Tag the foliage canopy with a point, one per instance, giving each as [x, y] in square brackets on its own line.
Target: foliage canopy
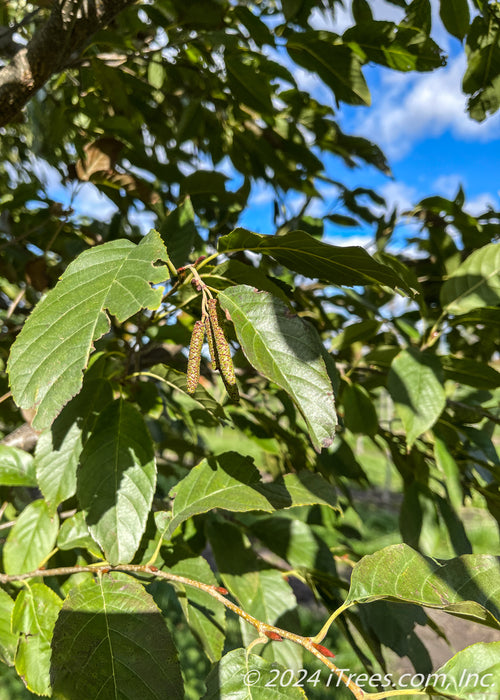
[137, 507]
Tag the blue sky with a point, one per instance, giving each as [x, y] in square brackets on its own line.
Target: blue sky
[418, 119]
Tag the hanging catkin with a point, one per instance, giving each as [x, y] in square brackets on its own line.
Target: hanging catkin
[223, 352]
[211, 346]
[193, 368]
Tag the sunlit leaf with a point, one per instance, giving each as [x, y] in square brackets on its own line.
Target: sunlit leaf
[475, 283]
[16, 467]
[415, 383]
[33, 618]
[116, 480]
[53, 348]
[466, 586]
[289, 352]
[31, 539]
[231, 481]
[242, 676]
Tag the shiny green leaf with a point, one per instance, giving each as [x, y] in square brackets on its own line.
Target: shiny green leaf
[300, 252]
[33, 617]
[466, 586]
[16, 467]
[31, 539]
[289, 352]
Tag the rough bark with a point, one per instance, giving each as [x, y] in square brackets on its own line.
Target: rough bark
[60, 40]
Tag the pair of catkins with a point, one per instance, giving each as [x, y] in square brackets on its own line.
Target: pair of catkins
[220, 352]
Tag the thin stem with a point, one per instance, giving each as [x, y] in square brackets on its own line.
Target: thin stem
[324, 630]
[172, 268]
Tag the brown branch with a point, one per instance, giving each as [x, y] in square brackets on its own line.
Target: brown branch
[70, 26]
[265, 631]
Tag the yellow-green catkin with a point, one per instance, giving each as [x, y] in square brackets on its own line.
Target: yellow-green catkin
[211, 346]
[223, 352]
[193, 368]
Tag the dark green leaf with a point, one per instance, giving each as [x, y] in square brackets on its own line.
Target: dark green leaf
[335, 63]
[110, 640]
[349, 265]
[456, 17]
[59, 447]
[178, 232]
[470, 372]
[360, 415]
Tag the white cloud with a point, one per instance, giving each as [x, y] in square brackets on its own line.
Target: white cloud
[447, 185]
[363, 240]
[410, 108]
[399, 195]
[481, 203]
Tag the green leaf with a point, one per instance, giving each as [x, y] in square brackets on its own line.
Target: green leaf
[74, 533]
[53, 348]
[470, 372]
[205, 616]
[455, 16]
[259, 590]
[364, 330]
[16, 467]
[59, 447]
[415, 383]
[487, 316]
[466, 586]
[475, 283]
[360, 415]
[451, 472]
[111, 641]
[178, 232]
[232, 482]
[336, 64]
[300, 252]
[33, 617]
[156, 71]
[289, 352]
[31, 539]
[236, 272]
[242, 676]
[8, 639]
[178, 382]
[400, 48]
[117, 480]
[473, 672]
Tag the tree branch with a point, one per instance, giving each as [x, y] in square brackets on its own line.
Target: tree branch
[70, 26]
